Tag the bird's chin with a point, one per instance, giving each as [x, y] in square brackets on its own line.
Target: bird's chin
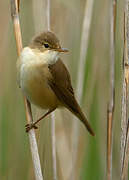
[53, 52]
[51, 56]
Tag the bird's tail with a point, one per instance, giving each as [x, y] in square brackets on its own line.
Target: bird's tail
[84, 120]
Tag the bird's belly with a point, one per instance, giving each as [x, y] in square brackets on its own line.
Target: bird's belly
[34, 84]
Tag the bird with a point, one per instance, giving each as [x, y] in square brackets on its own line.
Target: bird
[44, 78]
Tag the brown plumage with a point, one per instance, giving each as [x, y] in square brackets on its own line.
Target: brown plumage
[45, 80]
[45, 37]
[61, 85]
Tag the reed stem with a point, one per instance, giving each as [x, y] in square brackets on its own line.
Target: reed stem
[81, 71]
[125, 99]
[15, 4]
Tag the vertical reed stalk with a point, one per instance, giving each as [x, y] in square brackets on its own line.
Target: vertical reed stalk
[53, 146]
[32, 138]
[81, 70]
[110, 109]
[48, 15]
[125, 99]
[53, 113]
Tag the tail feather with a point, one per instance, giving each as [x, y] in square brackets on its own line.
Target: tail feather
[83, 119]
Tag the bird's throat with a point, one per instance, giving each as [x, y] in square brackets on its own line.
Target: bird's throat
[34, 56]
[50, 56]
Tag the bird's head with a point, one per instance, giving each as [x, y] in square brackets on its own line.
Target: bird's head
[47, 41]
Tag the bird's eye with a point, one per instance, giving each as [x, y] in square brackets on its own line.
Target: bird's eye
[46, 45]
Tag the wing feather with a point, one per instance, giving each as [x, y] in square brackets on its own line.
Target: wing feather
[60, 83]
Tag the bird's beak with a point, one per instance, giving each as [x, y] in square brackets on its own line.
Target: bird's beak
[62, 50]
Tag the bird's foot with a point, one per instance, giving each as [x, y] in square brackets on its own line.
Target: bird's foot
[30, 126]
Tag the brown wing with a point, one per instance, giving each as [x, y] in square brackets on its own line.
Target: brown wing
[61, 85]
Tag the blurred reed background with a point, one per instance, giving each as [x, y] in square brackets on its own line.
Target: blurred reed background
[66, 22]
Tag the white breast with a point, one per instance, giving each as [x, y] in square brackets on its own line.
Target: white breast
[32, 58]
[35, 56]
[32, 68]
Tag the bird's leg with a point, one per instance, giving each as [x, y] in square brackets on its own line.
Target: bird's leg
[33, 125]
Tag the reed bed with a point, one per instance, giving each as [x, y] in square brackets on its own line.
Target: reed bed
[90, 162]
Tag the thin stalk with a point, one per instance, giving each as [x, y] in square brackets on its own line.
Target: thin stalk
[32, 138]
[48, 15]
[110, 109]
[125, 99]
[81, 71]
[52, 114]
[53, 146]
